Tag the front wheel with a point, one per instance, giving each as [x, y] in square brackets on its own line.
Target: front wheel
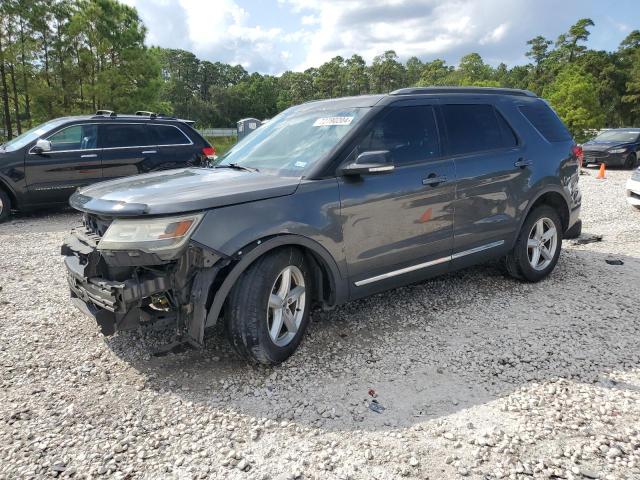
[5, 206]
[538, 246]
[630, 161]
[267, 310]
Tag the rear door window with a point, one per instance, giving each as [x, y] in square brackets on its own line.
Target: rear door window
[168, 135]
[545, 120]
[476, 128]
[408, 133]
[75, 137]
[124, 135]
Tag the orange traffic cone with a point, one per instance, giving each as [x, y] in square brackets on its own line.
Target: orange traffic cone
[601, 174]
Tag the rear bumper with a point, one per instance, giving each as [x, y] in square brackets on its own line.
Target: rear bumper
[632, 190]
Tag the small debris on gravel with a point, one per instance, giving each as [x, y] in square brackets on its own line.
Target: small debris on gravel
[584, 239]
[481, 376]
[614, 261]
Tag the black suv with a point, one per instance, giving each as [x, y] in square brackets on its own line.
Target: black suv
[43, 166]
[329, 201]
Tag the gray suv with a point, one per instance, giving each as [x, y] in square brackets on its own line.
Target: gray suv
[328, 202]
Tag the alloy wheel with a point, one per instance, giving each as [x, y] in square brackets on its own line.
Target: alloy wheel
[286, 306]
[542, 243]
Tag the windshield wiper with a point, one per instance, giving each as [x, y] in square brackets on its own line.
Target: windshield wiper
[235, 166]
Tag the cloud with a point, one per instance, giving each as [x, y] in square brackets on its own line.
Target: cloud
[216, 31]
[495, 35]
[314, 31]
[432, 29]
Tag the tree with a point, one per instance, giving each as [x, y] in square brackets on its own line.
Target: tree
[357, 79]
[538, 49]
[573, 96]
[436, 72]
[568, 44]
[414, 70]
[386, 72]
[474, 71]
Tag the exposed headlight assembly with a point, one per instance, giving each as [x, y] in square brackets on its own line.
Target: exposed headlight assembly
[618, 150]
[164, 236]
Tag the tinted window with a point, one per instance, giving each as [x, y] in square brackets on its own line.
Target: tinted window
[473, 128]
[509, 138]
[409, 133]
[546, 121]
[75, 137]
[124, 135]
[168, 135]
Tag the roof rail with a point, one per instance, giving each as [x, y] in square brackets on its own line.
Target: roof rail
[106, 113]
[474, 90]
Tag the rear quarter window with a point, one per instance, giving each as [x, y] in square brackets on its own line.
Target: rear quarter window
[545, 120]
[476, 128]
[169, 135]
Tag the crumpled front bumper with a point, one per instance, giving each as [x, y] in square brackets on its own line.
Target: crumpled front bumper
[117, 289]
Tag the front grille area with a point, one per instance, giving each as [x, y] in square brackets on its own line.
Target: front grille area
[95, 224]
[595, 156]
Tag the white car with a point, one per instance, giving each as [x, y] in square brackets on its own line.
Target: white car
[633, 189]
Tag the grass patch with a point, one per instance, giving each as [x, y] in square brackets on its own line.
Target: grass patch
[222, 144]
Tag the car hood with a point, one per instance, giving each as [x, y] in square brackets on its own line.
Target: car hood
[602, 146]
[182, 190]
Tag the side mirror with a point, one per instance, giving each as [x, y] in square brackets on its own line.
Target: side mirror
[42, 146]
[369, 163]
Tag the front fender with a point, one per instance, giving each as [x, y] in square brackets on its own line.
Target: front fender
[250, 253]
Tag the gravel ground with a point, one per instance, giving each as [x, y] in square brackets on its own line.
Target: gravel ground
[480, 376]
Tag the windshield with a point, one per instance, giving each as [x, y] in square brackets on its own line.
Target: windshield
[618, 136]
[292, 142]
[31, 135]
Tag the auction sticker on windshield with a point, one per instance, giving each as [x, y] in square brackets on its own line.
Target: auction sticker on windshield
[327, 121]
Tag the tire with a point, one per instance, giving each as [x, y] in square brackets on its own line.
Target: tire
[251, 315]
[5, 205]
[630, 161]
[520, 261]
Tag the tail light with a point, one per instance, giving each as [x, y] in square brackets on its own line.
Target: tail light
[579, 154]
[209, 152]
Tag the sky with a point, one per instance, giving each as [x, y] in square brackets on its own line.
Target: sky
[272, 36]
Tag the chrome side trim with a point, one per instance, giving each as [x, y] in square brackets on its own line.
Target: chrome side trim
[401, 271]
[431, 263]
[477, 249]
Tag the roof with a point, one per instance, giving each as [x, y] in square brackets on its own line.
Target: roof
[464, 90]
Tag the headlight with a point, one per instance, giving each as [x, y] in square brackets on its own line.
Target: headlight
[164, 236]
[618, 150]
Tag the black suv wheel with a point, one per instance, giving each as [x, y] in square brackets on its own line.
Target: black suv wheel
[268, 309]
[538, 246]
[5, 206]
[630, 161]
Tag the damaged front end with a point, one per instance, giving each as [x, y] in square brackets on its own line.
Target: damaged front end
[123, 286]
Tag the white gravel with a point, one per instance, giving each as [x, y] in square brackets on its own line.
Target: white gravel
[480, 376]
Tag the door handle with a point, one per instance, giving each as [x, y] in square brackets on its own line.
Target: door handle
[89, 155]
[522, 162]
[148, 152]
[434, 180]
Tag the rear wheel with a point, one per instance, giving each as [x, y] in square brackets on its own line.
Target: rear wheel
[5, 206]
[630, 162]
[538, 246]
[268, 309]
